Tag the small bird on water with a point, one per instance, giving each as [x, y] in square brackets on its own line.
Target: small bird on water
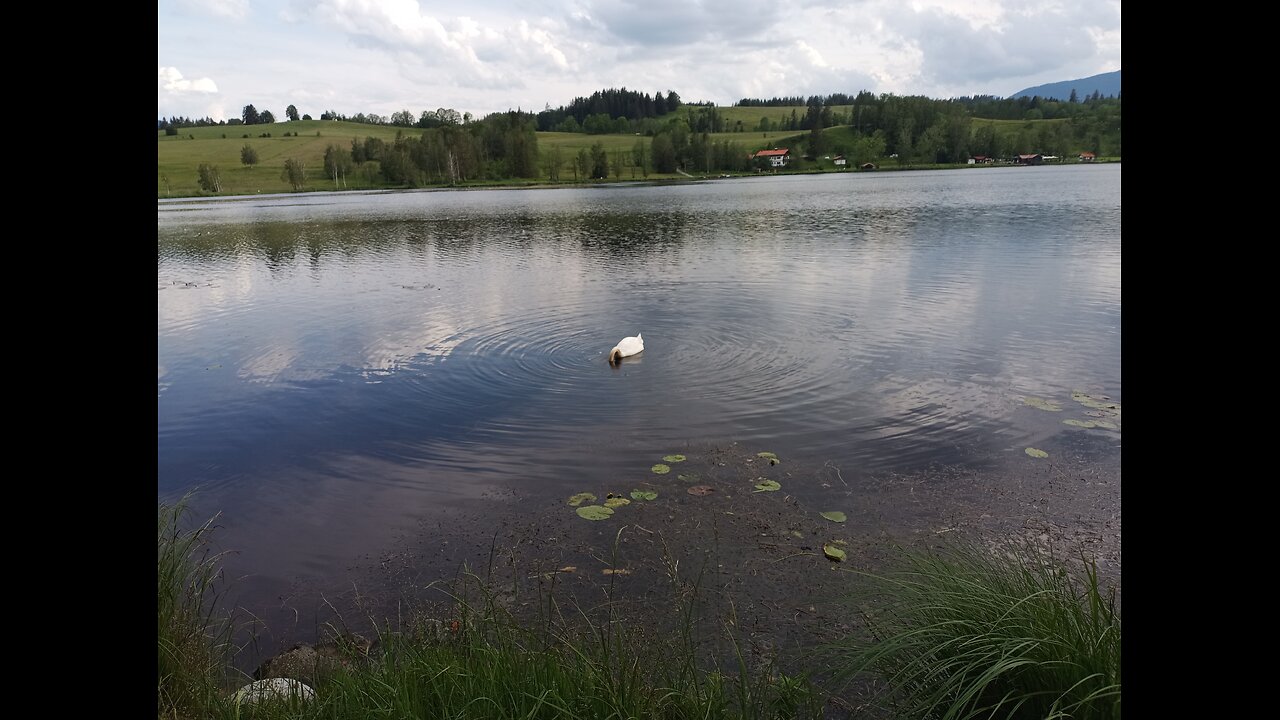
[626, 347]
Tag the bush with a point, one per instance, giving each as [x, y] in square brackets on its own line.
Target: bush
[248, 156]
[966, 633]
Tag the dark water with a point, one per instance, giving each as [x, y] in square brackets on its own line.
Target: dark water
[333, 368]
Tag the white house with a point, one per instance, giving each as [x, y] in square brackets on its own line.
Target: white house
[777, 158]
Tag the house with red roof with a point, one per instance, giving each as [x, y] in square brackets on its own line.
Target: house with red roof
[778, 157]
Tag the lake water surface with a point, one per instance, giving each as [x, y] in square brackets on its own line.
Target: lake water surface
[333, 368]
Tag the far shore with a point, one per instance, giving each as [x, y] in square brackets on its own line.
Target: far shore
[629, 182]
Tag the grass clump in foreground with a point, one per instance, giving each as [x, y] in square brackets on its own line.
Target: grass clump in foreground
[193, 642]
[481, 663]
[965, 633]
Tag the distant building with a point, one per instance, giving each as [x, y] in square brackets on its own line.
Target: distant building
[1087, 157]
[981, 160]
[1035, 159]
[840, 160]
[777, 158]
[868, 166]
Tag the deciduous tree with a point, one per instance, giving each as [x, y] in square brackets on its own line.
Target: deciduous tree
[295, 173]
[209, 179]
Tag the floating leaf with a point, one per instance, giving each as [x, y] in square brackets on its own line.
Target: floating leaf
[568, 568]
[1050, 405]
[833, 552]
[1100, 402]
[1106, 424]
[616, 571]
[691, 477]
[644, 495]
[576, 500]
[833, 516]
[1080, 423]
[672, 458]
[701, 490]
[798, 534]
[594, 512]
[773, 459]
[767, 485]
[614, 502]
[1035, 453]
[661, 469]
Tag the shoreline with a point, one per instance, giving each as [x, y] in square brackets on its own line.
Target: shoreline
[605, 182]
[754, 556]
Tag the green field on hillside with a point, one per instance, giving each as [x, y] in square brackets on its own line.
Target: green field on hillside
[179, 156]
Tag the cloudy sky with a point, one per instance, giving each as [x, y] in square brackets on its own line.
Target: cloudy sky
[483, 56]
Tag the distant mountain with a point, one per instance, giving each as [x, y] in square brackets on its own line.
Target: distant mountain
[1107, 84]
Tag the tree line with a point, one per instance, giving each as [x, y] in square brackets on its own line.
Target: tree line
[502, 145]
[915, 128]
[454, 148]
[606, 106]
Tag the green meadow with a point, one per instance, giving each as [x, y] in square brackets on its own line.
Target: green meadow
[180, 156]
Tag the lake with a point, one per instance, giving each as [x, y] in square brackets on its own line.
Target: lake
[335, 367]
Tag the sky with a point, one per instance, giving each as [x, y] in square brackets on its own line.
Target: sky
[484, 56]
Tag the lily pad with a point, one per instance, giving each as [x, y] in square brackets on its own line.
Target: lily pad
[644, 495]
[1100, 402]
[833, 552]
[767, 485]
[576, 500]
[673, 458]
[690, 477]
[614, 502]
[773, 459]
[1106, 424]
[1036, 453]
[798, 534]
[1080, 423]
[661, 469]
[833, 516]
[701, 490]
[1050, 405]
[594, 512]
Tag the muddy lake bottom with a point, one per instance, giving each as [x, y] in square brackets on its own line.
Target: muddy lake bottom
[747, 563]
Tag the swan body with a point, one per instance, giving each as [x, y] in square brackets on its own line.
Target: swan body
[626, 347]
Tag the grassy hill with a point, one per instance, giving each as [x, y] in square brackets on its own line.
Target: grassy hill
[179, 156]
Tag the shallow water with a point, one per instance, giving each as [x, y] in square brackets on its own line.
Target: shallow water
[332, 368]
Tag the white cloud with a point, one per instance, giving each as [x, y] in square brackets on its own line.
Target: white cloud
[485, 56]
[197, 98]
[171, 81]
[233, 9]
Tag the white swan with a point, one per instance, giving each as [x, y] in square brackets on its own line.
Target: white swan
[627, 346]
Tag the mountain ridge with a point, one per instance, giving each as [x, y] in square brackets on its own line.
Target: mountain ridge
[1106, 84]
